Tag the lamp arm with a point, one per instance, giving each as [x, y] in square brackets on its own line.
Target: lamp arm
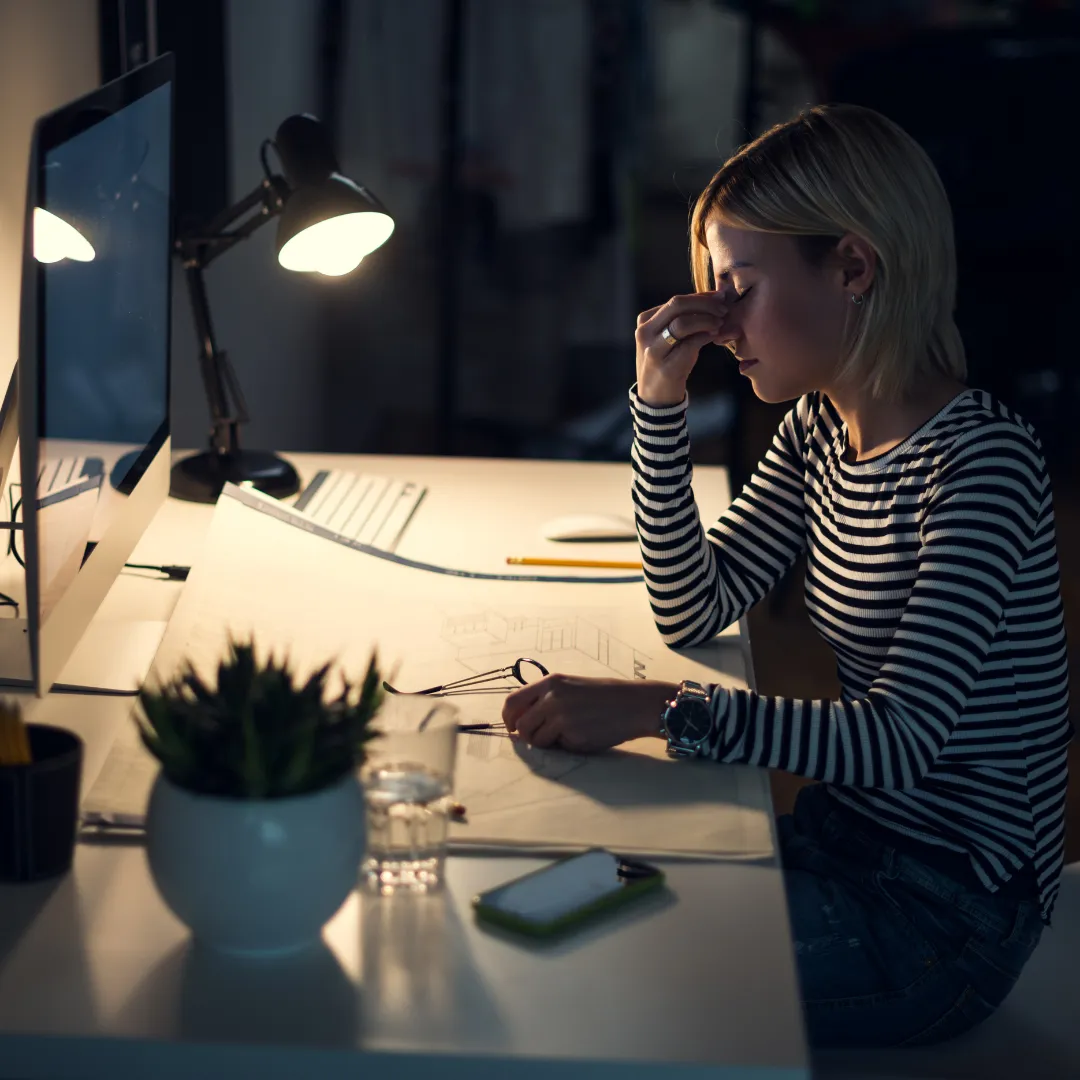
[225, 399]
[216, 237]
[215, 369]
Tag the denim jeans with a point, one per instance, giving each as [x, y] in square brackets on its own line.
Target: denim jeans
[890, 951]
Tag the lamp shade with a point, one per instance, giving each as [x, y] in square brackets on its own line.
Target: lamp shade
[329, 226]
[328, 223]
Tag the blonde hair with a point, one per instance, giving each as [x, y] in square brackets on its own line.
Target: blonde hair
[836, 169]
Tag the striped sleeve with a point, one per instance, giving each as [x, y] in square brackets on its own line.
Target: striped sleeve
[697, 583]
[980, 522]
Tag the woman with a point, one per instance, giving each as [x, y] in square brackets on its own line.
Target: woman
[920, 874]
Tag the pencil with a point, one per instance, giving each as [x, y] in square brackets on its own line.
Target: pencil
[590, 564]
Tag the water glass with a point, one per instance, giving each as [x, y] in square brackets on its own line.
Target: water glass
[408, 783]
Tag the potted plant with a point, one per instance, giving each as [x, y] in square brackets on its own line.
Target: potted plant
[255, 825]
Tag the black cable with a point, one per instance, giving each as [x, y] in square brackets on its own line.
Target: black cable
[173, 573]
[14, 504]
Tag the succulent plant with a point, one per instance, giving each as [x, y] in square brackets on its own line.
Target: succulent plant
[258, 734]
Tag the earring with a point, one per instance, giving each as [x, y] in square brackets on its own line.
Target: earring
[857, 299]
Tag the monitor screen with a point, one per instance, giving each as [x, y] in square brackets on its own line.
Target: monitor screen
[102, 234]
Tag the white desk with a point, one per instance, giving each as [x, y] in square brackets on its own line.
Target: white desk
[97, 978]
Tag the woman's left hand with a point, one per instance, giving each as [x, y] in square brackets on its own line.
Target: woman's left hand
[586, 715]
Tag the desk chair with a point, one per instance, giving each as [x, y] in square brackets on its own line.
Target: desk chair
[1035, 1034]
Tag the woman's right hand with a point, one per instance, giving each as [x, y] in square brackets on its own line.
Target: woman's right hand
[662, 367]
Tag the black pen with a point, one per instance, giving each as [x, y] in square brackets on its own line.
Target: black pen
[477, 727]
[97, 826]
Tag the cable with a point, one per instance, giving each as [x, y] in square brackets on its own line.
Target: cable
[172, 573]
[12, 546]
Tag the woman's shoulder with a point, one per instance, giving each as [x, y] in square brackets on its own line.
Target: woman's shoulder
[977, 420]
[981, 433]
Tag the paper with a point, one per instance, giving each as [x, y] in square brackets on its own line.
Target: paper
[371, 509]
[431, 629]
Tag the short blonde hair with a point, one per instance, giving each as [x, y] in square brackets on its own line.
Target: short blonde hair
[836, 169]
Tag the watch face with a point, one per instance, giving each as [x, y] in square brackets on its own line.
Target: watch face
[689, 721]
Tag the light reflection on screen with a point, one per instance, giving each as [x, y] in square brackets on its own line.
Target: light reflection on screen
[103, 372]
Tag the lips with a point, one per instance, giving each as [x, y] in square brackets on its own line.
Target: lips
[746, 365]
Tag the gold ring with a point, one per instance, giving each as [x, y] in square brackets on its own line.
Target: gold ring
[668, 336]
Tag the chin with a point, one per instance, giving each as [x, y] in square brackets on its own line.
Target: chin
[771, 398]
[773, 394]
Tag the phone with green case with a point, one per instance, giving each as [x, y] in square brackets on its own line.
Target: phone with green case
[558, 897]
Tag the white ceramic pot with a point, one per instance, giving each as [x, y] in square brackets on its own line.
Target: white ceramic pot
[256, 877]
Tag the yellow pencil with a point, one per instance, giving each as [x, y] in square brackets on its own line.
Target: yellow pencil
[14, 744]
[590, 564]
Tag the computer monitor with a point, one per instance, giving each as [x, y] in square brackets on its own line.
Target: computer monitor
[92, 379]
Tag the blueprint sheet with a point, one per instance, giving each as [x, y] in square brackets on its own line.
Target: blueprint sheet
[316, 600]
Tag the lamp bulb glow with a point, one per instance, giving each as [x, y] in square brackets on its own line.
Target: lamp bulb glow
[338, 244]
[339, 265]
[55, 239]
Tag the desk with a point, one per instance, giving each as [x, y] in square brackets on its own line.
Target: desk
[97, 978]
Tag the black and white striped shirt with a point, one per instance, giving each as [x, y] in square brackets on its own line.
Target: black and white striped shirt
[932, 571]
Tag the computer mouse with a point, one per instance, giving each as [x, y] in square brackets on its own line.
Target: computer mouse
[589, 527]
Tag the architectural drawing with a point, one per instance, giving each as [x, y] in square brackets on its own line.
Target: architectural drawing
[488, 638]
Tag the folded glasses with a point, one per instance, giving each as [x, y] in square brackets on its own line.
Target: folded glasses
[525, 670]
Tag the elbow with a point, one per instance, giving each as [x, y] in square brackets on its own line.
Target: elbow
[911, 752]
[688, 638]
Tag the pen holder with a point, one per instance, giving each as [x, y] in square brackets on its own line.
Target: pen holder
[39, 806]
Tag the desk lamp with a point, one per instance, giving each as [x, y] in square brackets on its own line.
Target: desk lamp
[327, 225]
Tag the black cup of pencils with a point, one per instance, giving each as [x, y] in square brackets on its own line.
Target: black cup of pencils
[40, 776]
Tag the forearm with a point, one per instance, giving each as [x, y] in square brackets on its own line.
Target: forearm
[700, 582]
[677, 559]
[872, 742]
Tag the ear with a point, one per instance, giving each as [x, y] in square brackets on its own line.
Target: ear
[856, 263]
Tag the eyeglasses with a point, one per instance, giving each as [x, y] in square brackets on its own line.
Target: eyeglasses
[525, 670]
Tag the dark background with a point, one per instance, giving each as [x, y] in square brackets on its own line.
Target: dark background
[541, 158]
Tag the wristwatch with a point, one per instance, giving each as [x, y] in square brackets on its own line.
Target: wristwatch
[687, 720]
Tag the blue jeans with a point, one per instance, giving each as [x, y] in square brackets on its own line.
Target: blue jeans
[890, 951]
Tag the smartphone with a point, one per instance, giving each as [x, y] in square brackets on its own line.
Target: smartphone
[555, 898]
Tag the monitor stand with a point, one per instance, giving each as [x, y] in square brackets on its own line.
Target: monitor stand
[112, 657]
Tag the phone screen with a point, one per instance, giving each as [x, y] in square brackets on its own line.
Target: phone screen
[566, 886]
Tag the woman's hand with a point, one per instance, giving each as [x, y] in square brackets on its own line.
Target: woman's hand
[662, 367]
[586, 715]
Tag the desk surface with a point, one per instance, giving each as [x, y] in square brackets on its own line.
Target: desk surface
[98, 979]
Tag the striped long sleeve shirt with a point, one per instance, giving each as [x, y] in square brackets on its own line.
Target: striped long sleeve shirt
[932, 571]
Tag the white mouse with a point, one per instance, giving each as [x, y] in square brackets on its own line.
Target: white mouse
[589, 527]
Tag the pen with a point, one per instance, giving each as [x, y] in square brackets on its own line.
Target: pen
[107, 820]
[591, 564]
[477, 727]
[96, 827]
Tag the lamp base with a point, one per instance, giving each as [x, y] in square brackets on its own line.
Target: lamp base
[201, 477]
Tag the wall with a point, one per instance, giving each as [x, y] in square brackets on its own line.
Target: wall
[266, 318]
[48, 55]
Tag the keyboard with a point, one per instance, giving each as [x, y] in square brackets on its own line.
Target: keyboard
[372, 510]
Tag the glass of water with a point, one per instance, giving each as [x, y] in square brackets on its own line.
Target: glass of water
[408, 783]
